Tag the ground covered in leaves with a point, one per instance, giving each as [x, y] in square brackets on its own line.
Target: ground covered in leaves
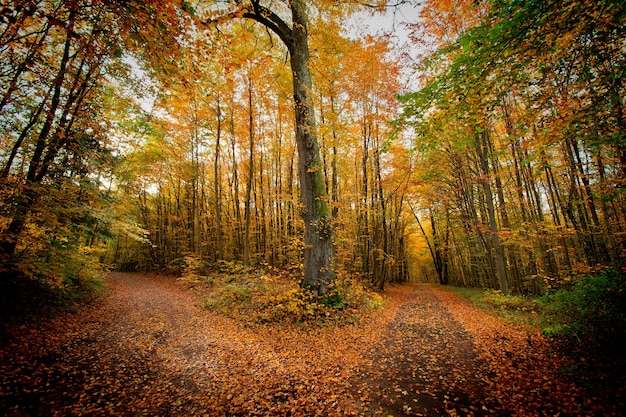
[152, 347]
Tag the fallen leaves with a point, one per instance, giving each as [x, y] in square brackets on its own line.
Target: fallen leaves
[521, 372]
[151, 348]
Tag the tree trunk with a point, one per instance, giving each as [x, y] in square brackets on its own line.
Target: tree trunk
[318, 250]
[216, 182]
[235, 188]
[481, 147]
[246, 239]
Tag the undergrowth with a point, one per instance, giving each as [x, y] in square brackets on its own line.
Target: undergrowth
[586, 321]
[50, 284]
[521, 310]
[271, 295]
[592, 309]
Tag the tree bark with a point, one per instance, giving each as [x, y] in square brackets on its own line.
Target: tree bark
[481, 147]
[318, 248]
[216, 182]
[247, 214]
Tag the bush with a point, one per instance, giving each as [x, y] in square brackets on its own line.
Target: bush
[230, 295]
[594, 308]
[333, 300]
[56, 280]
[518, 309]
[287, 304]
[271, 295]
[193, 271]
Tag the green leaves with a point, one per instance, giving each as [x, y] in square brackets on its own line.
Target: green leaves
[543, 80]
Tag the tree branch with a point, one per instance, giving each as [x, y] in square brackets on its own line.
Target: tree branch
[262, 15]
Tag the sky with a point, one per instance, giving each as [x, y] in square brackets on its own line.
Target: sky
[391, 22]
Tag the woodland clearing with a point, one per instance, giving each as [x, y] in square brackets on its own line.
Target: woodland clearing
[150, 348]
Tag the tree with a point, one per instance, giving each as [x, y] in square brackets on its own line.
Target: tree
[318, 248]
[54, 59]
[528, 95]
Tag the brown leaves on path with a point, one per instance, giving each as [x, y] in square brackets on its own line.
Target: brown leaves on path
[425, 366]
[443, 356]
[149, 348]
[522, 373]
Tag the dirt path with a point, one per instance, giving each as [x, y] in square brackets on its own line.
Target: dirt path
[426, 365]
[150, 349]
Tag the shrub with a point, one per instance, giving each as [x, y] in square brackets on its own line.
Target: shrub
[193, 271]
[518, 309]
[291, 304]
[271, 295]
[594, 308]
[55, 280]
[231, 295]
[333, 300]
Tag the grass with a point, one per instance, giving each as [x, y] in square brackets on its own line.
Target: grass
[587, 317]
[517, 309]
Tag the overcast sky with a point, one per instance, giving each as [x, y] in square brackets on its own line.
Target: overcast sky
[390, 22]
[393, 22]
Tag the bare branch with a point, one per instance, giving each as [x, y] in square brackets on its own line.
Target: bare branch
[260, 14]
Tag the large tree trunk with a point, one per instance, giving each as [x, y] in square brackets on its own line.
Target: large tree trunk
[318, 249]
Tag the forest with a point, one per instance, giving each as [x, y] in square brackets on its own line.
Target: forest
[331, 150]
[483, 148]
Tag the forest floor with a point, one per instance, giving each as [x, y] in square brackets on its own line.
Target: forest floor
[150, 348]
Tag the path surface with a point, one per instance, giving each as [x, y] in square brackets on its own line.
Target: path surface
[427, 363]
[149, 348]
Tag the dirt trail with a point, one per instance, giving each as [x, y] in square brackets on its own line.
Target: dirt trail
[427, 363]
[149, 348]
[108, 359]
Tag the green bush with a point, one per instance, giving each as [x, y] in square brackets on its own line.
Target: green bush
[333, 300]
[594, 308]
[236, 294]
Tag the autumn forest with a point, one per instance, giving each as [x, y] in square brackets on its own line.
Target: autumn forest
[475, 144]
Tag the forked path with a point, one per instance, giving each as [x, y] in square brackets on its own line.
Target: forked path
[149, 348]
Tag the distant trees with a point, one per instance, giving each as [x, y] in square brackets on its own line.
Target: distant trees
[133, 123]
[520, 140]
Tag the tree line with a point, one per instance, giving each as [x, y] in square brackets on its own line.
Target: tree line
[520, 146]
[216, 175]
[139, 134]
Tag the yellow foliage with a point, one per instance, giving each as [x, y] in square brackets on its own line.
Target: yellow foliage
[276, 296]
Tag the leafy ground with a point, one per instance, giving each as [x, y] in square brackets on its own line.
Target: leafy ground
[150, 347]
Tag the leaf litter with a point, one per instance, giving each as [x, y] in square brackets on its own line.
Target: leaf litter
[151, 348]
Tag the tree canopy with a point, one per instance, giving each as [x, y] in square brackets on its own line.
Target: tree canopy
[145, 134]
